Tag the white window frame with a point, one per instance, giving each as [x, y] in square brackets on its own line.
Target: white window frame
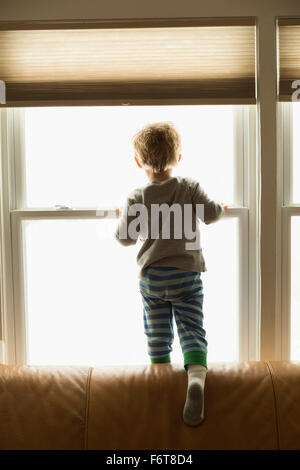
[12, 262]
[288, 210]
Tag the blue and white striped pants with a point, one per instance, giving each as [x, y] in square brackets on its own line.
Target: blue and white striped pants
[166, 291]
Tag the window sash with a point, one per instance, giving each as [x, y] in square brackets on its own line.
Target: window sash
[288, 210]
[17, 216]
[244, 125]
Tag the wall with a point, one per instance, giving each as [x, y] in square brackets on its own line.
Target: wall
[91, 9]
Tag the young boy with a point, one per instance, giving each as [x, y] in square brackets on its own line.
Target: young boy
[170, 265]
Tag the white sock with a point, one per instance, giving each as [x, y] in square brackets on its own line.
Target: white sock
[193, 411]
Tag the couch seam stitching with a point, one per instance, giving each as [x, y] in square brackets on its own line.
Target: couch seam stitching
[87, 403]
[272, 376]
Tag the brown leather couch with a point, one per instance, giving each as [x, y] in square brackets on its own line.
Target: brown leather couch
[248, 405]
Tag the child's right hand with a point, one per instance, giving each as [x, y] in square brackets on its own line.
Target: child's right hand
[119, 211]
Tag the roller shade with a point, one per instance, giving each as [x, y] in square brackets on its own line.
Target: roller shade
[181, 61]
[289, 57]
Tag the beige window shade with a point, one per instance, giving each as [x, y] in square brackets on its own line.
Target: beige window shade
[289, 57]
[53, 65]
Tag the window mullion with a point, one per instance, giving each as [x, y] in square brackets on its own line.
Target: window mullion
[238, 144]
[287, 209]
[7, 199]
[287, 148]
[18, 158]
[285, 324]
[251, 199]
[19, 288]
[243, 286]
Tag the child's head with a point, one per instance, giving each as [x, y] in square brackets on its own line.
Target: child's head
[157, 146]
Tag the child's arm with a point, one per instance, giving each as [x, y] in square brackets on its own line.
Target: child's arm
[122, 228]
[213, 211]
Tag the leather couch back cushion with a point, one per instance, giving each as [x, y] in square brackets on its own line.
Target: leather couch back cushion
[286, 379]
[248, 405]
[42, 407]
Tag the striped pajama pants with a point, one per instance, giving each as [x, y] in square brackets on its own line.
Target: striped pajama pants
[168, 291]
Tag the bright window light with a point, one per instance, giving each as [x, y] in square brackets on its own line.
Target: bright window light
[83, 302]
[81, 288]
[296, 153]
[295, 292]
[83, 157]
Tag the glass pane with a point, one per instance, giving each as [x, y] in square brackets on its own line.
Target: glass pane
[82, 300]
[296, 152]
[220, 243]
[83, 157]
[295, 291]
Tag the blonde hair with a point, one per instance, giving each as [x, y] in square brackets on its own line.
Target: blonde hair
[157, 146]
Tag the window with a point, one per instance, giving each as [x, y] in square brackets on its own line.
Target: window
[75, 298]
[290, 153]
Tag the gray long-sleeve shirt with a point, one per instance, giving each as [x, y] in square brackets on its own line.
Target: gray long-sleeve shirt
[156, 249]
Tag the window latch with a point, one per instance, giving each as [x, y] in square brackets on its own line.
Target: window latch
[60, 207]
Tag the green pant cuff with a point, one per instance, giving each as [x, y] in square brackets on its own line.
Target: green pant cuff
[160, 360]
[194, 357]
